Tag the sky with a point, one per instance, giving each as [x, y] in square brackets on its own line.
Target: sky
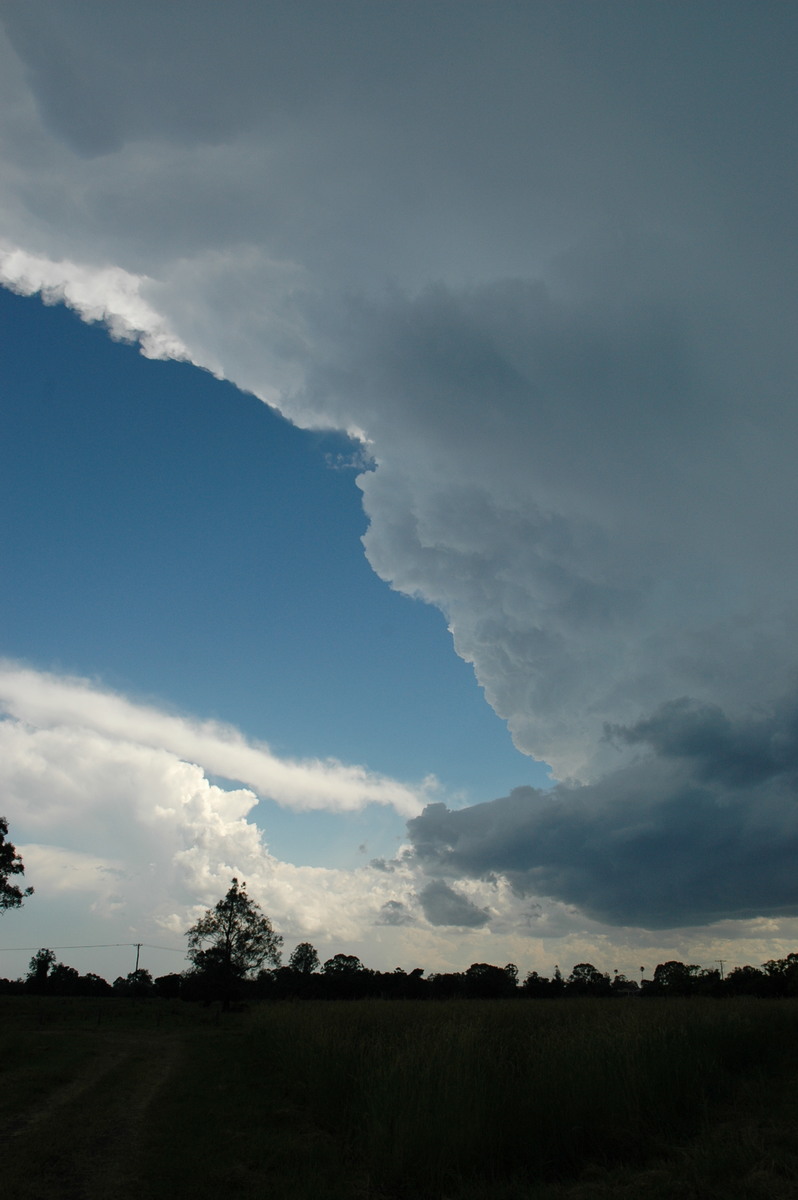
[398, 440]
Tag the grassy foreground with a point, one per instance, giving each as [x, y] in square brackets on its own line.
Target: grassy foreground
[458, 1100]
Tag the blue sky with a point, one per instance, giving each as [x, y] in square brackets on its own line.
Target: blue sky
[175, 540]
[533, 267]
[184, 543]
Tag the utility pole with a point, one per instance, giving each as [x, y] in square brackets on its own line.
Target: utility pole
[720, 962]
[138, 946]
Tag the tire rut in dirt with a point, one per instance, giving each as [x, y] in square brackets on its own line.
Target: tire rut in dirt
[83, 1142]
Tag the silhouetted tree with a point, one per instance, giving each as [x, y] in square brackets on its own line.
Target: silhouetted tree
[398, 984]
[345, 978]
[748, 981]
[342, 964]
[486, 981]
[536, 986]
[783, 975]
[94, 985]
[11, 896]
[141, 983]
[231, 942]
[304, 959]
[136, 983]
[39, 969]
[447, 984]
[587, 980]
[707, 982]
[169, 986]
[410, 986]
[64, 980]
[674, 978]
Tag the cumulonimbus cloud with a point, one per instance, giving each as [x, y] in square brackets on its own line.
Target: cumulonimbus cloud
[124, 838]
[119, 836]
[572, 384]
[574, 364]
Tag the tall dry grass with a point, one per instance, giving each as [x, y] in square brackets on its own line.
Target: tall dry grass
[368, 1099]
[427, 1094]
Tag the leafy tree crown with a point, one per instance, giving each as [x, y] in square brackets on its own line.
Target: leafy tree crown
[234, 938]
[304, 959]
[11, 896]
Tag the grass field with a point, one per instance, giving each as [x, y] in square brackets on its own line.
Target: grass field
[459, 1100]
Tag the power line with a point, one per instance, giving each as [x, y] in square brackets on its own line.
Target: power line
[93, 946]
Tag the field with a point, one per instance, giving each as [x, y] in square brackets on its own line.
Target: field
[584, 1100]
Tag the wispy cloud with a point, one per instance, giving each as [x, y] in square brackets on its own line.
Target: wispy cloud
[50, 702]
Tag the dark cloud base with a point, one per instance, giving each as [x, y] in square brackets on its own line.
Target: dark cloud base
[702, 828]
[442, 905]
[394, 912]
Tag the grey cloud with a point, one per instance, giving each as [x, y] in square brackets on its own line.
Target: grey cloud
[704, 829]
[575, 361]
[558, 475]
[737, 753]
[394, 912]
[382, 864]
[342, 111]
[442, 905]
[244, 65]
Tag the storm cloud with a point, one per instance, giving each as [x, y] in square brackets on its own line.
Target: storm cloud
[703, 829]
[443, 905]
[394, 912]
[539, 260]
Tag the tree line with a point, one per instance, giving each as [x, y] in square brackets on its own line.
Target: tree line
[344, 977]
[235, 954]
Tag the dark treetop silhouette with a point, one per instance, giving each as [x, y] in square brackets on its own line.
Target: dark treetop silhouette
[232, 941]
[305, 959]
[11, 896]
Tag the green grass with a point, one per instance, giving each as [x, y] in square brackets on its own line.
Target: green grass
[457, 1100]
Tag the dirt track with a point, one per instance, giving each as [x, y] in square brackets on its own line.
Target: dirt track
[80, 1140]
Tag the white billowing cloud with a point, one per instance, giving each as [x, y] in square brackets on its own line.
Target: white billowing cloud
[108, 812]
[542, 257]
[49, 702]
[124, 841]
[99, 294]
